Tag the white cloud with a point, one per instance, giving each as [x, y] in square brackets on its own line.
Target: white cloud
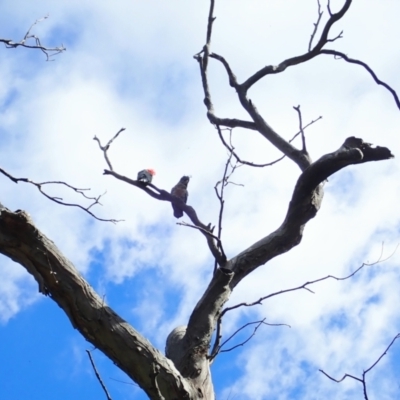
[130, 65]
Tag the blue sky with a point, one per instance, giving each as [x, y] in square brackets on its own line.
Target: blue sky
[130, 64]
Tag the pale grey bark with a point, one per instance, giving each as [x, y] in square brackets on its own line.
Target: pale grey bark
[57, 278]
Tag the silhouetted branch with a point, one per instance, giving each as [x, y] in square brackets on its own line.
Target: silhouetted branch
[316, 24]
[338, 54]
[304, 128]
[259, 323]
[163, 195]
[107, 146]
[217, 348]
[299, 157]
[275, 69]
[362, 379]
[220, 195]
[301, 130]
[48, 51]
[231, 149]
[207, 231]
[98, 376]
[59, 200]
[238, 159]
[306, 284]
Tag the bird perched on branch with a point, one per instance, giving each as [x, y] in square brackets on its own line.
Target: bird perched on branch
[146, 175]
[180, 191]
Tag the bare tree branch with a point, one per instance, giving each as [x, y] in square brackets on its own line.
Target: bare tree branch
[21, 241]
[316, 24]
[231, 149]
[220, 195]
[107, 146]
[193, 343]
[299, 157]
[218, 336]
[59, 200]
[98, 376]
[304, 128]
[217, 348]
[275, 69]
[205, 231]
[303, 286]
[259, 323]
[328, 6]
[303, 138]
[163, 195]
[48, 51]
[305, 203]
[338, 54]
[362, 379]
[238, 159]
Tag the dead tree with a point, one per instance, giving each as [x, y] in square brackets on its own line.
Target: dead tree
[184, 371]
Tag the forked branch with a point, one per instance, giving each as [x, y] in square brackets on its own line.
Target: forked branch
[363, 375]
[217, 348]
[162, 195]
[107, 146]
[305, 203]
[59, 200]
[28, 38]
[219, 191]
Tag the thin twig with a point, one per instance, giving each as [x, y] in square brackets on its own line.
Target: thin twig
[339, 36]
[362, 379]
[339, 55]
[259, 323]
[304, 127]
[107, 146]
[218, 337]
[220, 193]
[205, 231]
[48, 51]
[217, 348]
[211, 20]
[328, 6]
[98, 376]
[126, 383]
[315, 51]
[59, 200]
[231, 149]
[316, 24]
[163, 195]
[303, 138]
[303, 286]
[238, 159]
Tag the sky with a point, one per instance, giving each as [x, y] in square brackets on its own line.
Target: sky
[130, 64]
